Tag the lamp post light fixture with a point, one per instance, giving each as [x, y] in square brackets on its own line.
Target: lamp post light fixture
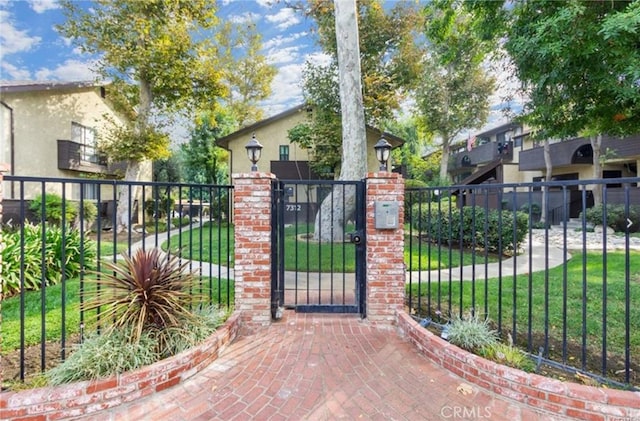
[254, 149]
[383, 149]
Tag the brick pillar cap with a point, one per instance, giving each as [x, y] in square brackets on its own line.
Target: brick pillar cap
[253, 175]
[383, 174]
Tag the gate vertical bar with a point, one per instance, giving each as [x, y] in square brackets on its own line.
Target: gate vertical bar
[361, 249]
[277, 248]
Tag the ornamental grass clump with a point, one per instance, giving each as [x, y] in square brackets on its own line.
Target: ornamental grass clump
[471, 333]
[148, 292]
[144, 309]
[508, 355]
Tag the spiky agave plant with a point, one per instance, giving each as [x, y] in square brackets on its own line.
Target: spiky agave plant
[148, 292]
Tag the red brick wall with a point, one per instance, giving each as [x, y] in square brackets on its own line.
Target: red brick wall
[252, 263]
[540, 393]
[385, 251]
[83, 398]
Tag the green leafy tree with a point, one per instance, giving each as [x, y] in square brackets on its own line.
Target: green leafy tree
[453, 93]
[409, 156]
[245, 71]
[158, 59]
[203, 161]
[579, 65]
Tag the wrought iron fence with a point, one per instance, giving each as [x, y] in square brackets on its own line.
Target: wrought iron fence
[58, 233]
[561, 287]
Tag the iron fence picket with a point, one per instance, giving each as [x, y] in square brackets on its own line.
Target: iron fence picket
[103, 231]
[563, 320]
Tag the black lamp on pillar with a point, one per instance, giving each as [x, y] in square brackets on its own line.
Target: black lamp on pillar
[383, 149]
[254, 149]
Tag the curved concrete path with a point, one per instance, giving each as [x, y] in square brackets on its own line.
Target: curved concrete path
[533, 257]
[322, 367]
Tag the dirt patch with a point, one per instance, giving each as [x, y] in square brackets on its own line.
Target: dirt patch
[33, 364]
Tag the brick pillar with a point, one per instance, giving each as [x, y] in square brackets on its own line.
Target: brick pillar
[252, 265]
[385, 251]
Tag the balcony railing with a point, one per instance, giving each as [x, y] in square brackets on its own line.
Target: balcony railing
[482, 154]
[75, 156]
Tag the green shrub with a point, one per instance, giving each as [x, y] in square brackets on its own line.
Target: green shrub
[471, 333]
[471, 226]
[616, 217]
[76, 254]
[159, 207]
[53, 208]
[180, 222]
[533, 207]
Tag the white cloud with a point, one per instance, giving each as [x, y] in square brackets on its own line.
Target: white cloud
[70, 70]
[280, 40]
[286, 88]
[246, 17]
[319, 58]
[12, 39]
[41, 6]
[283, 55]
[266, 3]
[285, 18]
[13, 72]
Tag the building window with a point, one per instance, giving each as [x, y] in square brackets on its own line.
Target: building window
[89, 191]
[86, 138]
[284, 152]
[612, 174]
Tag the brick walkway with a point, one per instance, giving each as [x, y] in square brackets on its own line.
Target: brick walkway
[322, 367]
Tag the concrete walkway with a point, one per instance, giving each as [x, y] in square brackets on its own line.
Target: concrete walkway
[322, 367]
[533, 257]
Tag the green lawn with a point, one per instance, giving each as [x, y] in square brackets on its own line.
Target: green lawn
[549, 297]
[212, 242]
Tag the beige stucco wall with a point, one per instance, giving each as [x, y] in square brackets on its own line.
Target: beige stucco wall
[274, 134]
[40, 119]
[271, 136]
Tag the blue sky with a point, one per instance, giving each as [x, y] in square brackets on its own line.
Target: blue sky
[31, 49]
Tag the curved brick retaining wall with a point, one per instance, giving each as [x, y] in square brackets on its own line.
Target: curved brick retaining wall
[82, 398]
[540, 393]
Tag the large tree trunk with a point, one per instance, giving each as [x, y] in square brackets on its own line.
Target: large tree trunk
[126, 193]
[338, 206]
[124, 211]
[596, 145]
[444, 161]
[547, 177]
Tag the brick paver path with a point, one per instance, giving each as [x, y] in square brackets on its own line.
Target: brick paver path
[322, 367]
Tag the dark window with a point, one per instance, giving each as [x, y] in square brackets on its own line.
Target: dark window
[517, 142]
[284, 152]
[612, 174]
[537, 180]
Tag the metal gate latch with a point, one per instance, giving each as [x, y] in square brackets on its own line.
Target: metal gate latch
[356, 237]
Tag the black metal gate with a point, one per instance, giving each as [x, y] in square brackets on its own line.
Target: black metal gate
[318, 238]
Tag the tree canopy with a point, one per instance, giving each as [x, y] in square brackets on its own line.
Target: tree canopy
[579, 62]
[389, 63]
[453, 92]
